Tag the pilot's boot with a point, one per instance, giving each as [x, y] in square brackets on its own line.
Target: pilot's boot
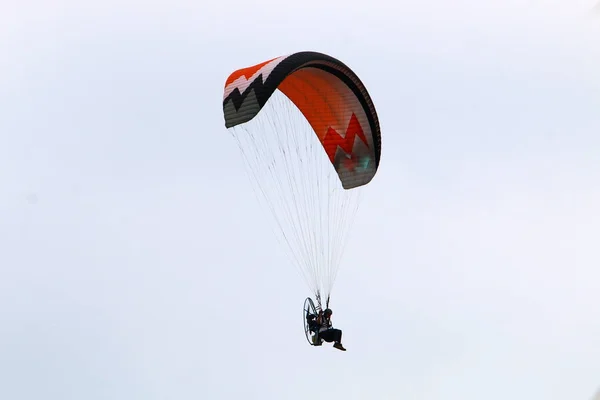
[339, 346]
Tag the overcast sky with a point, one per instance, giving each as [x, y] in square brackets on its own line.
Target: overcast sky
[134, 260]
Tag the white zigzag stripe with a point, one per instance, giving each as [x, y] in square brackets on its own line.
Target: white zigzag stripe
[242, 83]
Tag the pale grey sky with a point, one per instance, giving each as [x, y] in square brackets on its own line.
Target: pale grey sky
[134, 261]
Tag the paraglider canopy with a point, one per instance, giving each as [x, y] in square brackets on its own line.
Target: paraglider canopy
[330, 96]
